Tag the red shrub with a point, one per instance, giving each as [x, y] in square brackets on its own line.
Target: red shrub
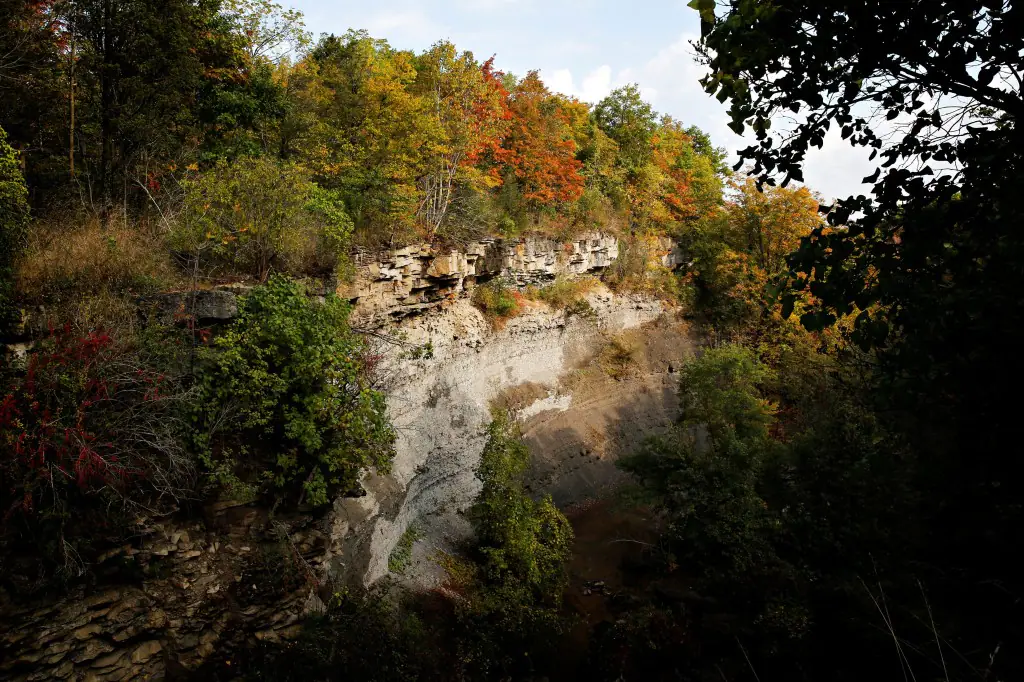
[85, 424]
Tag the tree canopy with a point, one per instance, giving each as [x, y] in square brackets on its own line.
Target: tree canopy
[923, 273]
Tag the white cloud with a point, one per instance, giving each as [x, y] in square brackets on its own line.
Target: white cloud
[836, 170]
[486, 5]
[595, 86]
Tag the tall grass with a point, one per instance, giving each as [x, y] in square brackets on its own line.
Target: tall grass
[86, 257]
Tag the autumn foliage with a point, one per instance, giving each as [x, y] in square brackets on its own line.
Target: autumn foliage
[86, 430]
[539, 150]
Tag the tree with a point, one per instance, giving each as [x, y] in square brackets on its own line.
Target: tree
[34, 91]
[256, 215]
[626, 118]
[364, 129]
[267, 31]
[511, 620]
[910, 64]
[770, 223]
[525, 544]
[539, 151]
[242, 108]
[139, 67]
[13, 223]
[930, 263]
[703, 146]
[285, 398]
[469, 110]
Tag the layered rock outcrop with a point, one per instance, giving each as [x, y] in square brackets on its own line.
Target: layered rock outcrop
[415, 278]
[232, 577]
[440, 408]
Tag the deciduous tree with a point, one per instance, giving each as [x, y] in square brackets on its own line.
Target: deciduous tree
[468, 108]
[13, 221]
[539, 150]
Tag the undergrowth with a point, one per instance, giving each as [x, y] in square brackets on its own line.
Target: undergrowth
[498, 301]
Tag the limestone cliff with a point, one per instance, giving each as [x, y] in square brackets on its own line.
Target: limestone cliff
[421, 277]
[233, 574]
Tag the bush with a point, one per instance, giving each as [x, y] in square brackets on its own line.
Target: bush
[510, 622]
[91, 433]
[723, 285]
[781, 513]
[257, 215]
[286, 398]
[618, 357]
[524, 543]
[13, 221]
[497, 302]
[565, 293]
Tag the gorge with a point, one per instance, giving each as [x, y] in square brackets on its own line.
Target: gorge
[443, 365]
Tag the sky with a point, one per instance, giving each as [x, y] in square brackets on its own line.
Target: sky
[583, 48]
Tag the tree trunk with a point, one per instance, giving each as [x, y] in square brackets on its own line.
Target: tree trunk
[107, 109]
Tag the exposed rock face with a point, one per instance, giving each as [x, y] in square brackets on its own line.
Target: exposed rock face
[218, 305]
[203, 586]
[440, 408]
[235, 576]
[416, 278]
[575, 446]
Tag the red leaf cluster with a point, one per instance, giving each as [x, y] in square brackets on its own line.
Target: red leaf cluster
[53, 427]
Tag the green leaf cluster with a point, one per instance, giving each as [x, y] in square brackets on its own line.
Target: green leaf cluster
[257, 215]
[286, 398]
[524, 543]
[512, 618]
[13, 223]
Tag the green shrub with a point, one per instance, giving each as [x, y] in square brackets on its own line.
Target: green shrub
[511, 621]
[286, 398]
[497, 301]
[401, 555]
[13, 221]
[524, 543]
[257, 215]
[567, 293]
[779, 517]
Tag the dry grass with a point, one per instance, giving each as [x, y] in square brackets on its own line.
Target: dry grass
[616, 358]
[63, 262]
[619, 357]
[516, 398]
[89, 276]
[117, 312]
[566, 293]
